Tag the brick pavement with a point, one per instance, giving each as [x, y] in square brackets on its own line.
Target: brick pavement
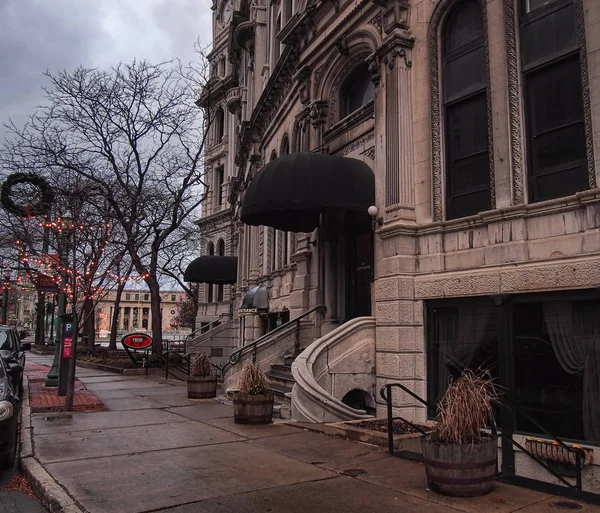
[44, 399]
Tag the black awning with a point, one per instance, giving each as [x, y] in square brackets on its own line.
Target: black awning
[257, 298]
[290, 192]
[212, 269]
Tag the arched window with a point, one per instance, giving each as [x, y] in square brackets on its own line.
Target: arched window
[219, 125]
[465, 111]
[209, 286]
[285, 145]
[220, 252]
[273, 155]
[554, 113]
[357, 90]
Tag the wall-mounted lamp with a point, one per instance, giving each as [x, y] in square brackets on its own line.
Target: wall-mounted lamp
[373, 211]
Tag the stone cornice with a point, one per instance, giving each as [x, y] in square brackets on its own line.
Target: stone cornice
[214, 222]
[358, 117]
[216, 89]
[522, 211]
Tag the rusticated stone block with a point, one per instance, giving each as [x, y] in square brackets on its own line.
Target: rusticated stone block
[386, 288]
[387, 312]
[387, 364]
[387, 339]
[472, 284]
[576, 274]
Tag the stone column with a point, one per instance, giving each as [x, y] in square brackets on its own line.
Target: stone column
[331, 286]
[399, 200]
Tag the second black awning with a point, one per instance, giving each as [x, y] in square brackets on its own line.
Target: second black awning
[212, 269]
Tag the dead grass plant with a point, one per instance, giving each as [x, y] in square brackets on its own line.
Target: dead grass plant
[201, 367]
[466, 409]
[253, 380]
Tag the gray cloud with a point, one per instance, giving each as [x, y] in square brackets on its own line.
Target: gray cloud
[40, 35]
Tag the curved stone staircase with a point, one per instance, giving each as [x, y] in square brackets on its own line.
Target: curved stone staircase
[333, 365]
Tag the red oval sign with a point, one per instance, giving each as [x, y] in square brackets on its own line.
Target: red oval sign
[137, 341]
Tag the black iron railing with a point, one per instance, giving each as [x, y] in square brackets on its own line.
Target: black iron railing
[207, 327]
[386, 394]
[176, 369]
[253, 346]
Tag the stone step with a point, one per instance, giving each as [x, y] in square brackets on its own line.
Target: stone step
[282, 411]
[280, 391]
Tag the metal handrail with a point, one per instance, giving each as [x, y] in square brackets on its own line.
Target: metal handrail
[206, 328]
[386, 394]
[253, 346]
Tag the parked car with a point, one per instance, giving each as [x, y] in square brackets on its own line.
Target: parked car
[12, 352]
[9, 413]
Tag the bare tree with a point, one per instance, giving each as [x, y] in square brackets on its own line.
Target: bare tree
[137, 135]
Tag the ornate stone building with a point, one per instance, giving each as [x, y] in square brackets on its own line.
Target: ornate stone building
[472, 130]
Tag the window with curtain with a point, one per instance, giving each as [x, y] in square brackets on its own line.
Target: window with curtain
[554, 115]
[460, 337]
[557, 367]
[465, 111]
[210, 286]
[356, 90]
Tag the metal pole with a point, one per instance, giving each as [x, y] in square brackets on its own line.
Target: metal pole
[53, 377]
[52, 318]
[5, 301]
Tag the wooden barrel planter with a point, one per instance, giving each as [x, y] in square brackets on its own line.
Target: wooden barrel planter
[201, 387]
[252, 409]
[460, 470]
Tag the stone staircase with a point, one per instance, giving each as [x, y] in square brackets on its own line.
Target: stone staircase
[281, 382]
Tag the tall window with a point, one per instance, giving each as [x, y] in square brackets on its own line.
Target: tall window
[553, 99]
[356, 90]
[219, 125]
[220, 252]
[209, 286]
[465, 111]
[219, 179]
[285, 145]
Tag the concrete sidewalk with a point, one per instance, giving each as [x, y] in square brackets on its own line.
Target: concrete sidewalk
[156, 450]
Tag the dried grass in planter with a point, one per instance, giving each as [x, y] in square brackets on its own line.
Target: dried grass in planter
[253, 380]
[201, 366]
[466, 409]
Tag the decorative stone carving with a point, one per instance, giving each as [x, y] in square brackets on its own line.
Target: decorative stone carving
[376, 21]
[374, 68]
[369, 152]
[514, 102]
[342, 45]
[585, 83]
[395, 16]
[317, 113]
[490, 113]
[357, 143]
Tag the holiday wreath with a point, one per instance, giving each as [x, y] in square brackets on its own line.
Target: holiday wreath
[44, 196]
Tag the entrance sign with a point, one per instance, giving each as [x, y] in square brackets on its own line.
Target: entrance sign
[137, 341]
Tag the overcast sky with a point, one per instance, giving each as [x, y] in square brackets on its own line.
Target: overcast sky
[40, 35]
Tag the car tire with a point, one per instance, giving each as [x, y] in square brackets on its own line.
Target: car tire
[8, 458]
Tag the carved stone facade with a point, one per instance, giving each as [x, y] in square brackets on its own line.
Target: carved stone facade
[516, 247]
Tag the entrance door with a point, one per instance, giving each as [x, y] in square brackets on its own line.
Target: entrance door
[359, 265]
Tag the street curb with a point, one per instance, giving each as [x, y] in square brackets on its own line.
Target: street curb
[50, 493]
